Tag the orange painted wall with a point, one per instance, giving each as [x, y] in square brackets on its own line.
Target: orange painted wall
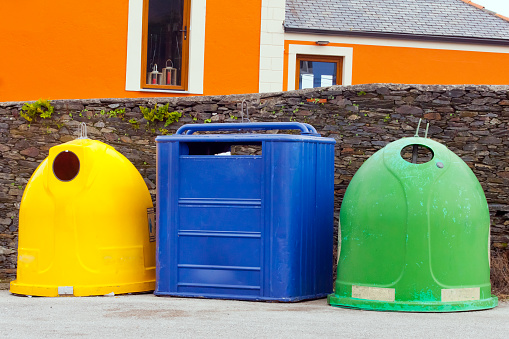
[381, 64]
[232, 46]
[64, 49]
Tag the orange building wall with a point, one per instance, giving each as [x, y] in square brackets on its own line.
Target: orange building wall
[62, 49]
[232, 46]
[77, 49]
[382, 64]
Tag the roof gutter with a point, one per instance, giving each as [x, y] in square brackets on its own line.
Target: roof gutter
[419, 37]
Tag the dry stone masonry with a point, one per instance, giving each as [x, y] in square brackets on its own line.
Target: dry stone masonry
[473, 121]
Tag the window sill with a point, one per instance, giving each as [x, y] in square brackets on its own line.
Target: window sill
[172, 91]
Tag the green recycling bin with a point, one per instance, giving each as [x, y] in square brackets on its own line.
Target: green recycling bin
[414, 236]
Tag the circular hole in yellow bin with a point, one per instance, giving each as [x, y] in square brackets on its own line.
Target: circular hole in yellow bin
[423, 154]
[66, 166]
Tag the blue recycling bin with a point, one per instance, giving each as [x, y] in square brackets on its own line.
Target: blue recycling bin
[247, 227]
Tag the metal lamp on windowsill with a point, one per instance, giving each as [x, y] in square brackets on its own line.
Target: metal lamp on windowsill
[169, 74]
[155, 77]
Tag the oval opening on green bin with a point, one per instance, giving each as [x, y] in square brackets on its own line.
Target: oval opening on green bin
[66, 166]
[417, 154]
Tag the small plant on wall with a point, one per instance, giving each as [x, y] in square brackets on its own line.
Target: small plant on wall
[134, 123]
[156, 113]
[172, 117]
[40, 108]
[117, 113]
[160, 113]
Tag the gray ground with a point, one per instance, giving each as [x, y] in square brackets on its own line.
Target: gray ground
[133, 316]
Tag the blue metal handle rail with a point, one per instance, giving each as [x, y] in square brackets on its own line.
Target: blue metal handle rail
[306, 129]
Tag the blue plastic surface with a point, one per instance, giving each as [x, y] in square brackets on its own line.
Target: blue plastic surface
[251, 227]
[254, 126]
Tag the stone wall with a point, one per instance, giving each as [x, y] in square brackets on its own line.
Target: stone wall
[473, 121]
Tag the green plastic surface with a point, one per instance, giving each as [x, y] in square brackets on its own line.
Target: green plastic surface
[414, 237]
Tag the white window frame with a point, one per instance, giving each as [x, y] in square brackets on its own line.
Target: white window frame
[345, 52]
[196, 38]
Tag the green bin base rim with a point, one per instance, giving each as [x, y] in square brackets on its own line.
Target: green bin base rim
[412, 306]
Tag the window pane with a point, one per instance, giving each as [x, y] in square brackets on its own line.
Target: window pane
[317, 74]
[164, 42]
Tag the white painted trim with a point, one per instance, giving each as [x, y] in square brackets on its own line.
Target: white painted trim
[196, 38]
[197, 46]
[345, 52]
[398, 43]
[134, 29]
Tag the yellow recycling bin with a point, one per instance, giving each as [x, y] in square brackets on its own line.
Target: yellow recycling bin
[83, 226]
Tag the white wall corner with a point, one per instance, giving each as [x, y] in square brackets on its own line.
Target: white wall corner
[265, 63]
[271, 46]
[266, 38]
[277, 64]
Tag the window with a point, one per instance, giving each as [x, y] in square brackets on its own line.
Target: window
[306, 51]
[136, 63]
[318, 71]
[165, 44]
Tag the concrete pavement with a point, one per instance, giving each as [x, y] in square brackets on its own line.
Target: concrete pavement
[133, 316]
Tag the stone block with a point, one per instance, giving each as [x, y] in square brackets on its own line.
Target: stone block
[126, 139]
[409, 110]
[441, 102]
[204, 116]
[483, 108]
[30, 152]
[474, 147]
[459, 101]
[5, 221]
[455, 93]
[383, 91]
[206, 107]
[433, 116]
[499, 207]
[302, 113]
[66, 138]
[111, 136]
[464, 114]
[340, 102]
[445, 109]
[217, 118]
[73, 106]
[29, 164]
[490, 140]
[6, 251]
[425, 97]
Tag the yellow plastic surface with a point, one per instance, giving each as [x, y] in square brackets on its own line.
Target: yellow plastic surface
[88, 235]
